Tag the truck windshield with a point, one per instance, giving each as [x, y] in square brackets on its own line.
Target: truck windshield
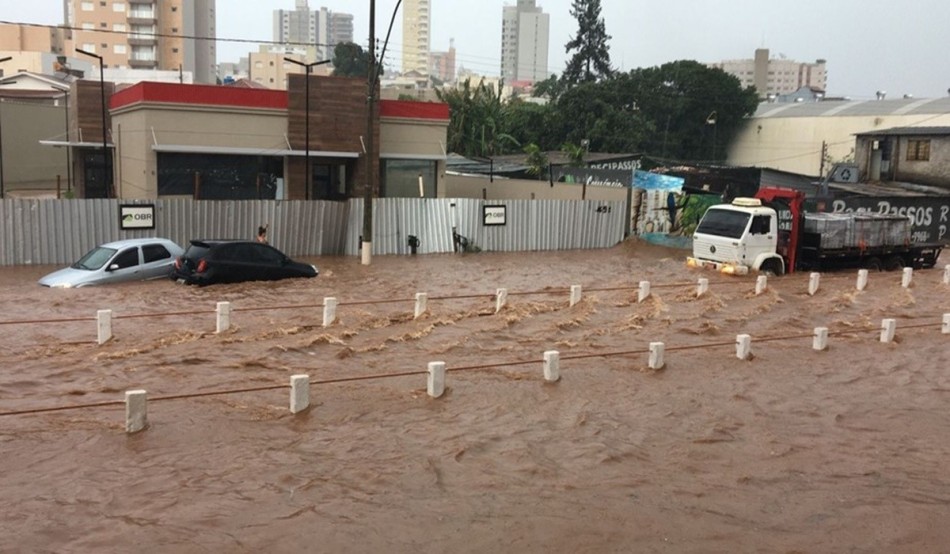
[724, 223]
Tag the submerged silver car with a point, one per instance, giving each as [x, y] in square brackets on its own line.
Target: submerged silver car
[115, 262]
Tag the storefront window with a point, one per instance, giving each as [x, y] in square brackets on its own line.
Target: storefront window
[219, 176]
[400, 178]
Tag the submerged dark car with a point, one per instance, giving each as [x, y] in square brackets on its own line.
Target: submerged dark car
[232, 261]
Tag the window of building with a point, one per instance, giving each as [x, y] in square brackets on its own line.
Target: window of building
[118, 27]
[89, 47]
[174, 50]
[918, 150]
[87, 26]
[174, 8]
[119, 49]
[174, 29]
[103, 4]
[86, 6]
[103, 24]
[118, 7]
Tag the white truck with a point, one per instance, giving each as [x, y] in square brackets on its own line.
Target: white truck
[773, 234]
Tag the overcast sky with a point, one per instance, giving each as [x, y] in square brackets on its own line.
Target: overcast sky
[870, 45]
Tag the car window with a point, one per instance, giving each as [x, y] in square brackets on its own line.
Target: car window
[267, 254]
[229, 253]
[196, 252]
[127, 258]
[155, 252]
[95, 258]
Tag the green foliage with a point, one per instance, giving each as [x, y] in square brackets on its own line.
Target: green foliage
[350, 60]
[550, 88]
[591, 59]
[678, 98]
[575, 154]
[537, 161]
[407, 97]
[477, 120]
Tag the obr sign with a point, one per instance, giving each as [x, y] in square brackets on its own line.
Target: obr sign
[136, 216]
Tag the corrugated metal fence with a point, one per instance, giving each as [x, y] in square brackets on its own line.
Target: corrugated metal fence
[60, 231]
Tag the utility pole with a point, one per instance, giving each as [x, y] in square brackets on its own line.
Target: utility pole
[370, 150]
[824, 155]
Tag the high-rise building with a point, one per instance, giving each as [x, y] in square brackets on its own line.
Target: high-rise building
[771, 76]
[318, 31]
[416, 38]
[442, 64]
[524, 42]
[145, 34]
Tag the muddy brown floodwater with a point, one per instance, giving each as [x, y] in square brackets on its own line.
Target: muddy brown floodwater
[792, 451]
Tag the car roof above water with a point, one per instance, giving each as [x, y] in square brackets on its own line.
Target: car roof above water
[117, 244]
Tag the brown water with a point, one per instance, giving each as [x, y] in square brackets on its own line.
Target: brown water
[793, 451]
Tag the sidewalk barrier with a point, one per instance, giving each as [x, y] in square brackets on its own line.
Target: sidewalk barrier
[329, 311]
[422, 300]
[299, 393]
[436, 383]
[761, 284]
[575, 295]
[136, 411]
[644, 291]
[814, 280]
[743, 347]
[657, 350]
[103, 326]
[501, 298]
[702, 287]
[820, 343]
[223, 312]
[862, 279]
[888, 330]
[552, 366]
[907, 278]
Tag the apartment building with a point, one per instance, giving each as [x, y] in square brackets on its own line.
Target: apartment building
[317, 30]
[775, 76]
[416, 36]
[442, 64]
[525, 30]
[169, 35]
[269, 66]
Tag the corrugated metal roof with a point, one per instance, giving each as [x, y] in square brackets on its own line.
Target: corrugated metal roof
[902, 106]
[916, 131]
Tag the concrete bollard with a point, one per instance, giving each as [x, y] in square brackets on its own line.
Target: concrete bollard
[552, 366]
[422, 300]
[814, 280]
[946, 275]
[946, 324]
[436, 384]
[644, 291]
[223, 312]
[908, 277]
[862, 279]
[136, 411]
[888, 330]
[501, 299]
[761, 284]
[104, 326]
[743, 346]
[820, 341]
[299, 393]
[657, 351]
[702, 287]
[329, 311]
[575, 294]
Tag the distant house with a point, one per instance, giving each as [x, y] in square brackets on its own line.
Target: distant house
[905, 154]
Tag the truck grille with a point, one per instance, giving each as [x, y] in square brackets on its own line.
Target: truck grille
[702, 249]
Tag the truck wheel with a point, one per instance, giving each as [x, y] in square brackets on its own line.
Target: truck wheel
[872, 264]
[772, 267]
[893, 263]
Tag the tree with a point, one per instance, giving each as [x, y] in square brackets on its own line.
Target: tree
[476, 120]
[591, 61]
[695, 110]
[575, 154]
[350, 60]
[537, 161]
[600, 113]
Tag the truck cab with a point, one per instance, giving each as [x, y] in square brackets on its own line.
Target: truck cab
[738, 238]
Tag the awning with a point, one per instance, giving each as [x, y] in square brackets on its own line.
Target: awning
[76, 143]
[243, 151]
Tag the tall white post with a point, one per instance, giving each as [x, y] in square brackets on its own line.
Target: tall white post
[552, 366]
[814, 280]
[136, 411]
[224, 317]
[104, 326]
[644, 292]
[575, 294]
[862, 279]
[908, 277]
[329, 311]
[299, 393]
[888, 330]
[820, 341]
[743, 346]
[436, 382]
[501, 299]
[702, 287]
[422, 300]
[657, 354]
[761, 284]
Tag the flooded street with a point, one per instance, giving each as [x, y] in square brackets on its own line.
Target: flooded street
[795, 450]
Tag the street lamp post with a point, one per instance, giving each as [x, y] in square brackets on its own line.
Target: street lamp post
[5, 59]
[102, 98]
[306, 93]
[711, 120]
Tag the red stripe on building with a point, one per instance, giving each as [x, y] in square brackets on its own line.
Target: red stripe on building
[413, 110]
[208, 95]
